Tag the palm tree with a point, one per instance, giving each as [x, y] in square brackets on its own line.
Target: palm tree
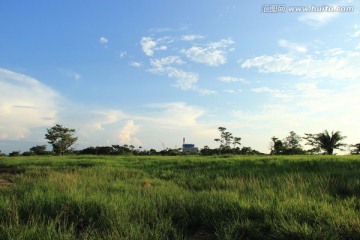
[325, 141]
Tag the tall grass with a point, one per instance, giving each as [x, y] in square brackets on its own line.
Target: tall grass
[189, 197]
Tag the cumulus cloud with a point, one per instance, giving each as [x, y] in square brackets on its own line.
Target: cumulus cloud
[148, 45]
[126, 135]
[25, 103]
[212, 54]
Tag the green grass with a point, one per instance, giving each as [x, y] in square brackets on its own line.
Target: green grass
[228, 197]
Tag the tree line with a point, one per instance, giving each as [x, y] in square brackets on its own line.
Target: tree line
[62, 138]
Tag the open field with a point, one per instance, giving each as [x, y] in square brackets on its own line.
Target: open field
[183, 197]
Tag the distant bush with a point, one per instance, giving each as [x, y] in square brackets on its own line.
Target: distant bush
[14, 154]
[28, 153]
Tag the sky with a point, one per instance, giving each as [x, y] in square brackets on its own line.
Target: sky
[150, 73]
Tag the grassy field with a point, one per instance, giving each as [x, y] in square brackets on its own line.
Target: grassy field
[183, 197]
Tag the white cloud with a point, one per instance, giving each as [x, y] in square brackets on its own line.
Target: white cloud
[206, 92]
[25, 103]
[205, 55]
[161, 48]
[356, 34]
[100, 119]
[126, 135]
[122, 54]
[74, 75]
[175, 115]
[160, 122]
[305, 107]
[212, 54]
[262, 90]
[103, 40]
[160, 30]
[223, 43]
[148, 45]
[230, 79]
[162, 62]
[332, 63]
[184, 80]
[291, 46]
[232, 91]
[318, 19]
[270, 116]
[191, 37]
[135, 64]
[173, 121]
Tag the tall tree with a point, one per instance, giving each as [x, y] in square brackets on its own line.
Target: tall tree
[325, 141]
[276, 146]
[236, 141]
[292, 144]
[225, 138]
[61, 138]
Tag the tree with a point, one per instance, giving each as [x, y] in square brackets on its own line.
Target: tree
[291, 144]
[225, 140]
[236, 141]
[277, 146]
[325, 141]
[356, 148]
[38, 149]
[61, 138]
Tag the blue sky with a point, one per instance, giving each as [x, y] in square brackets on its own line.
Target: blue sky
[149, 73]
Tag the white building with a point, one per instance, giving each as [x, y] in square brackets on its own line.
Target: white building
[189, 148]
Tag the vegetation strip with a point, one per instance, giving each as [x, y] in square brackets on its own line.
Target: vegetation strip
[181, 197]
